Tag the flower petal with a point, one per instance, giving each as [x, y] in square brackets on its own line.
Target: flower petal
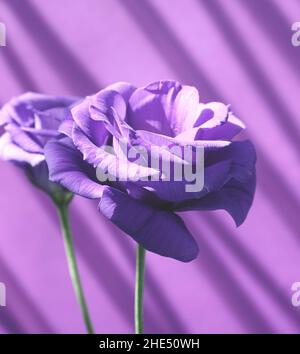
[21, 109]
[11, 152]
[43, 102]
[158, 231]
[235, 197]
[164, 107]
[95, 130]
[212, 114]
[110, 108]
[107, 163]
[51, 118]
[24, 140]
[237, 192]
[171, 156]
[176, 191]
[236, 160]
[67, 167]
[123, 88]
[66, 127]
[242, 155]
[222, 131]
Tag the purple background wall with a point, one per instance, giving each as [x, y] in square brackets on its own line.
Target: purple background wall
[238, 51]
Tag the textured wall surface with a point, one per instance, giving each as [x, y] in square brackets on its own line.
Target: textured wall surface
[237, 51]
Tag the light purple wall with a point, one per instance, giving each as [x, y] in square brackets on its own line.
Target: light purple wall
[238, 51]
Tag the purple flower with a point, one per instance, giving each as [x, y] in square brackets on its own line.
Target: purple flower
[29, 122]
[161, 115]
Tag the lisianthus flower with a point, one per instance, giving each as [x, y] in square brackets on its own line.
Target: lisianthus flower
[161, 115]
[29, 122]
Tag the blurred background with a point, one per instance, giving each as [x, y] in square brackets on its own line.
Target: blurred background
[235, 51]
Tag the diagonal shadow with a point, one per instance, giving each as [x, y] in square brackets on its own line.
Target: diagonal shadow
[270, 172]
[13, 61]
[9, 320]
[162, 34]
[236, 297]
[91, 252]
[255, 73]
[161, 37]
[269, 17]
[280, 194]
[267, 170]
[11, 323]
[112, 280]
[261, 275]
[179, 43]
[169, 312]
[151, 286]
[26, 301]
[69, 68]
[88, 247]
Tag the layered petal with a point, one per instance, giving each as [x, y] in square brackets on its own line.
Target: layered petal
[23, 140]
[212, 114]
[177, 158]
[237, 191]
[94, 129]
[66, 166]
[158, 231]
[123, 88]
[110, 108]
[178, 191]
[242, 155]
[215, 122]
[42, 102]
[21, 109]
[12, 152]
[164, 107]
[222, 131]
[107, 162]
[51, 118]
[235, 197]
[66, 127]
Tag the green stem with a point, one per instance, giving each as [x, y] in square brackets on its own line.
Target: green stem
[73, 269]
[139, 289]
